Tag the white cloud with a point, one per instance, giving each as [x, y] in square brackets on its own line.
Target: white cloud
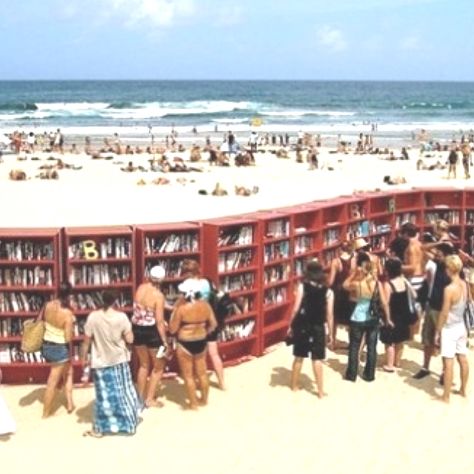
[332, 39]
[146, 12]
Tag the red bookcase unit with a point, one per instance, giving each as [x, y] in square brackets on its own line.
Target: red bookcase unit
[468, 221]
[445, 204]
[233, 263]
[276, 242]
[334, 228]
[307, 236]
[29, 276]
[408, 207]
[381, 221]
[167, 245]
[97, 259]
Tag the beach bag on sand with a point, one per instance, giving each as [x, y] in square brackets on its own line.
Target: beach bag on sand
[33, 333]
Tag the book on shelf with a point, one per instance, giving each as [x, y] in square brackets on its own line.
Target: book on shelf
[234, 260]
[240, 330]
[172, 243]
[19, 250]
[276, 251]
[304, 243]
[277, 228]
[99, 274]
[18, 302]
[172, 266]
[242, 235]
[275, 295]
[276, 273]
[112, 247]
[240, 282]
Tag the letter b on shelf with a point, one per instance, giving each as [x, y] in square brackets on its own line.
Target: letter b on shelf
[89, 248]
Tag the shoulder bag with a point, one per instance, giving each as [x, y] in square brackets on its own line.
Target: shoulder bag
[33, 333]
[469, 310]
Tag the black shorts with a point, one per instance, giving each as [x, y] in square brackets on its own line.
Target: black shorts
[146, 336]
[313, 344]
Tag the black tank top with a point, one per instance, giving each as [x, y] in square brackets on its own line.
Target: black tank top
[314, 304]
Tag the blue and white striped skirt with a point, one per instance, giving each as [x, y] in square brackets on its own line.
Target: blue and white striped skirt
[117, 405]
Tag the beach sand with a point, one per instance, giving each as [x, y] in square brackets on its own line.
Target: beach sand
[258, 424]
[391, 425]
[100, 194]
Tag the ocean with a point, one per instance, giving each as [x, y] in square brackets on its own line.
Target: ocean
[395, 110]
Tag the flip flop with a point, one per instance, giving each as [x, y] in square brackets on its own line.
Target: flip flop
[388, 369]
[92, 434]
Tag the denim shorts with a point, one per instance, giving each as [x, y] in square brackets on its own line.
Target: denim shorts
[55, 353]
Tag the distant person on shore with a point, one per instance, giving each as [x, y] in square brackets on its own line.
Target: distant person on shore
[451, 332]
[453, 162]
[117, 405]
[312, 314]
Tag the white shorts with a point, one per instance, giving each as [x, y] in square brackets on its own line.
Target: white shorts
[453, 341]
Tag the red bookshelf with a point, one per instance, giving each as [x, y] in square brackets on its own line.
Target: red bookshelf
[96, 259]
[29, 276]
[233, 263]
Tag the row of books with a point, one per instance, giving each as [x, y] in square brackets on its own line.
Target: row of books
[452, 217]
[275, 295]
[276, 251]
[241, 282]
[303, 244]
[276, 273]
[357, 211]
[100, 274]
[278, 228]
[332, 236]
[240, 330]
[118, 247]
[234, 260]
[469, 218]
[11, 327]
[380, 228]
[19, 250]
[93, 300]
[359, 229]
[172, 243]
[19, 302]
[24, 276]
[13, 353]
[405, 217]
[378, 243]
[242, 235]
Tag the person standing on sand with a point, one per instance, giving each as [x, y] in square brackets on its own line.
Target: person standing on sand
[192, 320]
[451, 332]
[363, 283]
[59, 324]
[148, 326]
[452, 161]
[313, 310]
[438, 280]
[339, 271]
[117, 405]
[191, 269]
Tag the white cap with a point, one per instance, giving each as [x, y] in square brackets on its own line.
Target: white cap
[190, 287]
[157, 272]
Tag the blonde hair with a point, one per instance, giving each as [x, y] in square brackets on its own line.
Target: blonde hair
[453, 263]
[442, 225]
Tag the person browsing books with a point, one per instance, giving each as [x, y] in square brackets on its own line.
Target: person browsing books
[149, 334]
[59, 324]
[192, 320]
[117, 405]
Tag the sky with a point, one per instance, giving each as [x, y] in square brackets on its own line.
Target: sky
[229, 39]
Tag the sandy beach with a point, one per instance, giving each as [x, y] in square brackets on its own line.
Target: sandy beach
[259, 425]
[101, 194]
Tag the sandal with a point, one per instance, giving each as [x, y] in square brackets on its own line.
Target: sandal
[92, 434]
[388, 369]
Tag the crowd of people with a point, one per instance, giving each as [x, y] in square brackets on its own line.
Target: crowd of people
[420, 279]
[423, 278]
